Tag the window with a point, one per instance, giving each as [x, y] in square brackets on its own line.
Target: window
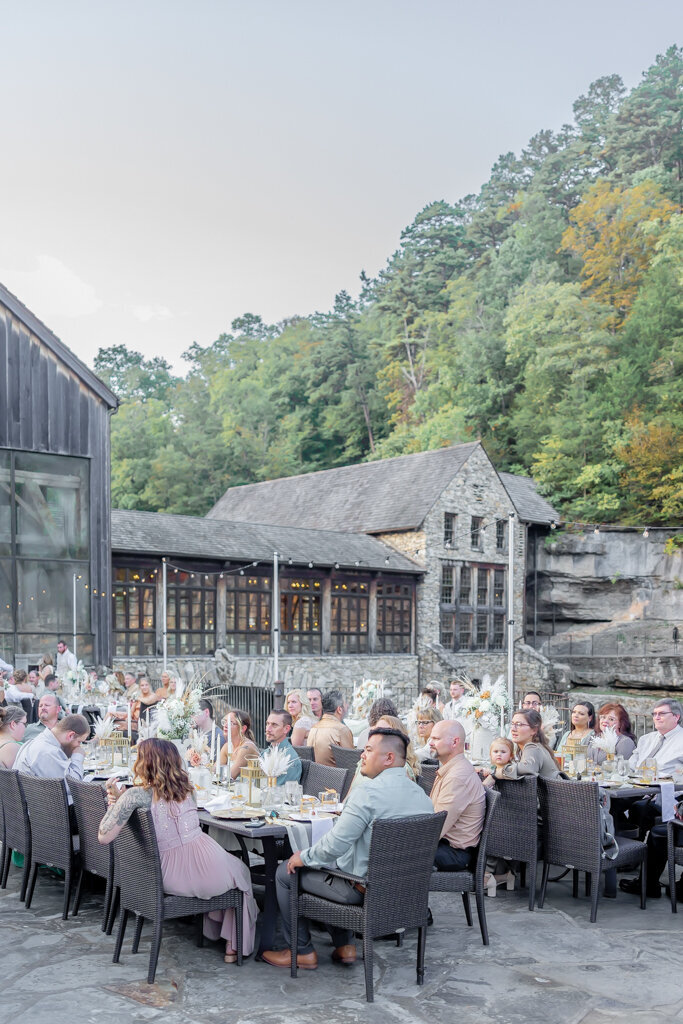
[190, 612]
[134, 611]
[448, 528]
[475, 532]
[472, 611]
[394, 617]
[249, 602]
[300, 616]
[349, 616]
[501, 535]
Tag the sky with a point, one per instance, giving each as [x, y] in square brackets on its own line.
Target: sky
[169, 165]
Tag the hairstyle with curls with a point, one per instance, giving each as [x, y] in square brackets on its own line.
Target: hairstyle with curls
[302, 697]
[19, 675]
[395, 723]
[624, 727]
[536, 722]
[591, 713]
[159, 768]
[243, 719]
[380, 708]
[12, 713]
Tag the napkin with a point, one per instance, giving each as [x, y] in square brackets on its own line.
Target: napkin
[668, 801]
[219, 803]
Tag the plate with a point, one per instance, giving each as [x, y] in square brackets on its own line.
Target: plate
[297, 816]
[242, 814]
[612, 784]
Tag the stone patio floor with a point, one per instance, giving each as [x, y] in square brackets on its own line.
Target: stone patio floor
[549, 966]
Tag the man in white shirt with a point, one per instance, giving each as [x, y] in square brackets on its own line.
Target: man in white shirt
[665, 744]
[66, 659]
[56, 753]
[454, 709]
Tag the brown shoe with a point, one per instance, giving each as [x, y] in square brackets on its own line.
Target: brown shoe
[345, 954]
[283, 958]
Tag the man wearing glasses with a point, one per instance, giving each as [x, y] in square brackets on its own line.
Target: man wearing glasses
[531, 701]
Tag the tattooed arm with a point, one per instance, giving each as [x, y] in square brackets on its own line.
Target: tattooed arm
[119, 813]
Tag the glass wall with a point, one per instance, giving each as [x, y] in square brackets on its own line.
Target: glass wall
[247, 613]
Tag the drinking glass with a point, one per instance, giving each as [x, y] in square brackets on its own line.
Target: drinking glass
[580, 764]
[293, 792]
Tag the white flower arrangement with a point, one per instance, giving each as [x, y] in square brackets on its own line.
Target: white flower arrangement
[607, 741]
[485, 705]
[175, 714]
[550, 722]
[75, 679]
[274, 762]
[103, 728]
[146, 730]
[365, 694]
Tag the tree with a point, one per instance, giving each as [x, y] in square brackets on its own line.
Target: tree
[130, 376]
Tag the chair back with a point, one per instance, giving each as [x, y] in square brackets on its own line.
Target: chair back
[513, 834]
[317, 777]
[490, 814]
[427, 775]
[570, 824]
[90, 806]
[138, 867]
[345, 758]
[400, 866]
[48, 810]
[305, 753]
[15, 815]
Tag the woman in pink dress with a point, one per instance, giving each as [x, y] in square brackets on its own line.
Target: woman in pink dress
[192, 864]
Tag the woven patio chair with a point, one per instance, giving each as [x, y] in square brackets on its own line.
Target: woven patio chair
[142, 893]
[674, 857]
[52, 842]
[305, 753]
[316, 777]
[348, 759]
[514, 830]
[571, 835]
[17, 827]
[400, 864]
[90, 806]
[426, 777]
[466, 882]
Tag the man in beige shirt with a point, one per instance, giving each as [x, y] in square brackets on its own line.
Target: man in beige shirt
[330, 730]
[457, 790]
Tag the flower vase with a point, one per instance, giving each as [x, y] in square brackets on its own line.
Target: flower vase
[609, 766]
[270, 797]
[481, 743]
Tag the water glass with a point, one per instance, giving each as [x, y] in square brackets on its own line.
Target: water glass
[293, 792]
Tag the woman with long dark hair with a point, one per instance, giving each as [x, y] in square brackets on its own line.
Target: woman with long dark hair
[192, 864]
[533, 755]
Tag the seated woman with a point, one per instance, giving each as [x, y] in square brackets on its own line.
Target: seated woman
[379, 708]
[582, 729]
[426, 720]
[303, 719]
[243, 742]
[168, 686]
[12, 728]
[533, 755]
[614, 716]
[192, 864]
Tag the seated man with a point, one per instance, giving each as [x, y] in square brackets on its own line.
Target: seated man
[315, 699]
[458, 790]
[49, 710]
[278, 728]
[330, 730]
[204, 724]
[56, 752]
[386, 793]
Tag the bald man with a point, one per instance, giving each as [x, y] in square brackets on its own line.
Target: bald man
[457, 790]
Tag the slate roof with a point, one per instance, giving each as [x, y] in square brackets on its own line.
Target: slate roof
[52, 342]
[369, 497]
[157, 533]
[531, 507]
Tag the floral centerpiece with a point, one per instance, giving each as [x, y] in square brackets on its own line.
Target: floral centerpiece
[175, 714]
[550, 723]
[274, 762]
[486, 705]
[74, 680]
[365, 694]
[113, 686]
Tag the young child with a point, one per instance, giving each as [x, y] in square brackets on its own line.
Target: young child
[501, 752]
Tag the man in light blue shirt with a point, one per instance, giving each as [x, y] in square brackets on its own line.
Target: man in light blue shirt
[387, 792]
[278, 728]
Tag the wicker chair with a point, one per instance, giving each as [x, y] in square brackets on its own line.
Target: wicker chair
[52, 842]
[397, 889]
[316, 777]
[90, 805]
[675, 856]
[348, 759]
[142, 893]
[571, 833]
[426, 777]
[514, 830]
[466, 882]
[17, 827]
[305, 753]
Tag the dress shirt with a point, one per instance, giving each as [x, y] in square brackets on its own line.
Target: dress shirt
[454, 710]
[66, 662]
[458, 790]
[43, 756]
[669, 756]
[325, 734]
[390, 795]
[13, 695]
[293, 773]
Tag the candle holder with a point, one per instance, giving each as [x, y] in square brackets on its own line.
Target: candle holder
[251, 774]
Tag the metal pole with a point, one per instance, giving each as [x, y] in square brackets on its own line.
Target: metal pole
[74, 609]
[164, 636]
[511, 610]
[275, 615]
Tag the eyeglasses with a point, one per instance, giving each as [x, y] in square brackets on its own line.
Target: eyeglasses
[661, 714]
[531, 704]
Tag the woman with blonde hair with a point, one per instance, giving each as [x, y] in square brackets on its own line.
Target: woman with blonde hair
[243, 742]
[12, 728]
[192, 863]
[426, 720]
[303, 719]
